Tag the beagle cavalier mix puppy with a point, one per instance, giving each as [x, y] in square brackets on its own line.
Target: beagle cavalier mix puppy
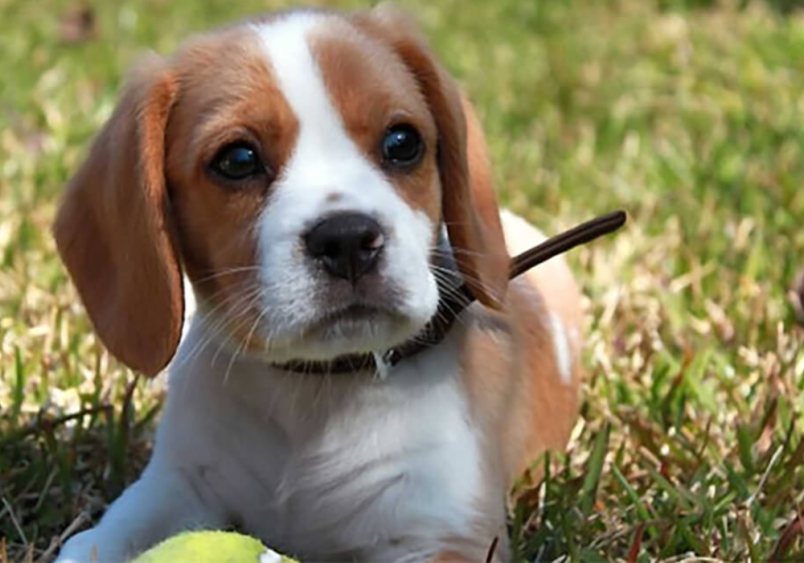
[322, 183]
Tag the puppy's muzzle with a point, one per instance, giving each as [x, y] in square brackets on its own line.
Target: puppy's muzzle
[347, 245]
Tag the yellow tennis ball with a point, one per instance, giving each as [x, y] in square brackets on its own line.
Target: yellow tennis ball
[211, 547]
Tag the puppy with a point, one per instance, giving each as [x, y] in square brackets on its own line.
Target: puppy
[323, 183]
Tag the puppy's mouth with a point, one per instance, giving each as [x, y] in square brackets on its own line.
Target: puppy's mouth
[356, 312]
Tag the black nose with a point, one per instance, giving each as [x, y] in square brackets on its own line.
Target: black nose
[347, 244]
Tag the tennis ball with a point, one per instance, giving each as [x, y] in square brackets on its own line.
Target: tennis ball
[211, 547]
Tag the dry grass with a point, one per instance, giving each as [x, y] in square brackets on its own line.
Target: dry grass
[690, 443]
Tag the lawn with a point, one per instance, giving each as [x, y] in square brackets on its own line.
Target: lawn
[689, 115]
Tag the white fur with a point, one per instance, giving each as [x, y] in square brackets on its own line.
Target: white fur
[190, 305]
[297, 461]
[326, 161]
[562, 348]
[520, 235]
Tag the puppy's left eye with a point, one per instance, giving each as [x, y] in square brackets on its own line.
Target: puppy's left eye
[237, 161]
[402, 146]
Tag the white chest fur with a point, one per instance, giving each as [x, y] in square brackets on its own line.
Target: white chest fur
[336, 465]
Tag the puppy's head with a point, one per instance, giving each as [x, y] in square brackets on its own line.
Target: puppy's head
[301, 169]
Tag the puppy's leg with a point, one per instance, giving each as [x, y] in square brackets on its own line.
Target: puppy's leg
[162, 503]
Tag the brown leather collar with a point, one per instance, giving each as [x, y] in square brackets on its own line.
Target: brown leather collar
[454, 301]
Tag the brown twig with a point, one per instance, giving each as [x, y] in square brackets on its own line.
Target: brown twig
[492, 549]
[42, 423]
[59, 540]
[636, 546]
[791, 531]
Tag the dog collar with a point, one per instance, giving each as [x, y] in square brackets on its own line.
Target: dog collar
[454, 300]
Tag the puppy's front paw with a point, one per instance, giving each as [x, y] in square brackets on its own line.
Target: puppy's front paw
[88, 547]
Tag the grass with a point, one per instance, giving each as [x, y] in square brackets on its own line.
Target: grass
[691, 439]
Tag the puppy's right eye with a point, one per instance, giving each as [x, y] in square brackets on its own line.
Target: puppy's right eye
[402, 146]
[237, 161]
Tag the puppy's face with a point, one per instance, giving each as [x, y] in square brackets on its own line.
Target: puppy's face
[301, 159]
[301, 169]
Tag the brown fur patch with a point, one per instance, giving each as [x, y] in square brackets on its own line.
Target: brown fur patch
[228, 94]
[372, 90]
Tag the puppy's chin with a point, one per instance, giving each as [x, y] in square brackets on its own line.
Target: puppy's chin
[357, 332]
[354, 330]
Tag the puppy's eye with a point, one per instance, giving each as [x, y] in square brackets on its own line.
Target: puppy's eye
[237, 161]
[402, 146]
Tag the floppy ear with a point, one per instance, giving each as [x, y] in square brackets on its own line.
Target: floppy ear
[468, 201]
[114, 230]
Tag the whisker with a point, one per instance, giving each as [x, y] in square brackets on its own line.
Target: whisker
[239, 317]
[256, 323]
[460, 251]
[214, 329]
[227, 272]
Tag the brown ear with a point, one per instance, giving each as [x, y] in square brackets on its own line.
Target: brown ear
[114, 231]
[468, 200]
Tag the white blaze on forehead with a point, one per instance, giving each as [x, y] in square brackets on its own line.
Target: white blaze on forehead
[326, 173]
[299, 78]
[326, 159]
[562, 348]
